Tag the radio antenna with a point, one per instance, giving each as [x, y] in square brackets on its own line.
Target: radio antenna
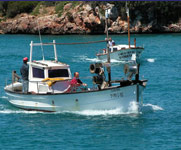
[40, 41]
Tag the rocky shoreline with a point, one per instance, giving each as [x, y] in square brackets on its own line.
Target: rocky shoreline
[81, 20]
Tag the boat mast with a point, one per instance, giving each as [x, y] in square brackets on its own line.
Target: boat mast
[127, 12]
[41, 41]
[107, 12]
[31, 50]
[55, 50]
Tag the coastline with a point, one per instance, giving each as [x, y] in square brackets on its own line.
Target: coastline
[85, 19]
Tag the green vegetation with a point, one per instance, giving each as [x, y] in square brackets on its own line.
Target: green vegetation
[40, 6]
[36, 10]
[3, 7]
[164, 12]
[60, 5]
[12, 8]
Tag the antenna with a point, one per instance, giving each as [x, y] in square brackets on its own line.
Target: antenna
[107, 12]
[40, 41]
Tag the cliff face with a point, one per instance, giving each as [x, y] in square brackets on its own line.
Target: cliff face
[84, 19]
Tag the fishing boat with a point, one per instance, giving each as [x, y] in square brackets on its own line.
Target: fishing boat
[120, 52]
[50, 89]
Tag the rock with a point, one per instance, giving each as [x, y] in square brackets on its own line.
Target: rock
[67, 6]
[83, 19]
[1, 32]
[175, 27]
[78, 21]
[87, 7]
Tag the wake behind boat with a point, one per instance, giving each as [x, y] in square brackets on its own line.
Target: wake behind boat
[50, 88]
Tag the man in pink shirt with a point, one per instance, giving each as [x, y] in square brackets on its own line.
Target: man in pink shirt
[76, 82]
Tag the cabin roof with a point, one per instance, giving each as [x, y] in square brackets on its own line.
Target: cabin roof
[47, 63]
[124, 46]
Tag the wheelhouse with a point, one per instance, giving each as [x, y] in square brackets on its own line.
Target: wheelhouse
[48, 75]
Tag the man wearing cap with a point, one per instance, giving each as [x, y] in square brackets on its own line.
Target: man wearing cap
[24, 73]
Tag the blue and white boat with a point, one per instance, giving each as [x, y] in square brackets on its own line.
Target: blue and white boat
[49, 88]
[121, 52]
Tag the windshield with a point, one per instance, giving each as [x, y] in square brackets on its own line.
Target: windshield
[38, 73]
[58, 73]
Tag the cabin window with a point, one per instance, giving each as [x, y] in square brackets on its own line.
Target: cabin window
[38, 73]
[115, 49]
[58, 73]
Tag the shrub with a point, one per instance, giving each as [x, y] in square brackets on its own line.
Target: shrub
[48, 3]
[60, 5]
[3, 7]
[35, 11]
[17, 7]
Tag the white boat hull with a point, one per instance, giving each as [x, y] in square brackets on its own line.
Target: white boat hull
[121, 55]
[115, 97]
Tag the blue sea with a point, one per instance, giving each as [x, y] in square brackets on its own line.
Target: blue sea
[156, 127]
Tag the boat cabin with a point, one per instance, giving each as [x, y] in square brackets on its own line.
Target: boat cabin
[48, 76]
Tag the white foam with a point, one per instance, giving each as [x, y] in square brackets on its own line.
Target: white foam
[85, 58]
[85, 112]
[153, 107]
[7, 111]
[98, 112]
[4, 97]
[151, 60]
[132, 109]
[93, 60]
[98, 60]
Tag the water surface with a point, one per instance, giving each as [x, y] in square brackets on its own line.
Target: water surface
[156, 127]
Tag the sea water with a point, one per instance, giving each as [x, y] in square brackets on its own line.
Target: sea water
[156, 127]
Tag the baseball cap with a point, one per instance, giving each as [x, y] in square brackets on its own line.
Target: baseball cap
[25, 59]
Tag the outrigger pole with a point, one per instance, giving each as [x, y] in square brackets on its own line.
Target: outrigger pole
[76, 43]
[108, 52]
[41, 41]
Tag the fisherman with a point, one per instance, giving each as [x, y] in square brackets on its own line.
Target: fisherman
[76, 82]
[111, 44]
[15, 77]
[24, 73]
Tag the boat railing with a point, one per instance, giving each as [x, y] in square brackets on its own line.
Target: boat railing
[48, 86]
[16, 85]
[43, 86]
[68, 89]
